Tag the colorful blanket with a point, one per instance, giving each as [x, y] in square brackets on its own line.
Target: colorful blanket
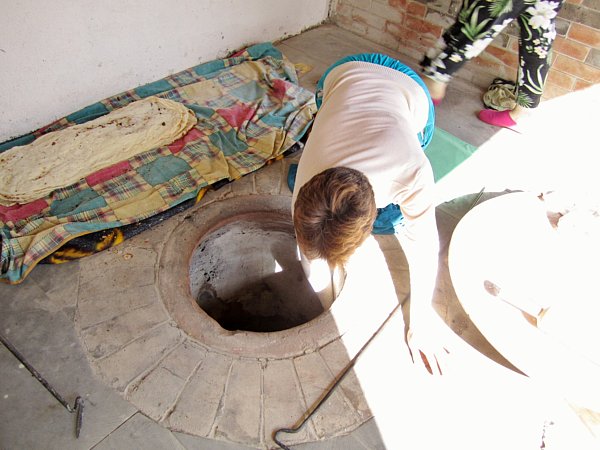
[250, 110]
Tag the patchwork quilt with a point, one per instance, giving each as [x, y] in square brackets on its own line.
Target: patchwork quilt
[250, 111]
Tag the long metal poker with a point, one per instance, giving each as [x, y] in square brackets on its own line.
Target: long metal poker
[77, 405]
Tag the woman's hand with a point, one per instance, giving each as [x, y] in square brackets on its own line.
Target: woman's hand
[427, 340]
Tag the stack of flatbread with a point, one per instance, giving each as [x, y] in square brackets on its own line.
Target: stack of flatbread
[63, 157]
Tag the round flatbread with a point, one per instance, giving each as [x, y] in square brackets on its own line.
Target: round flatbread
[63, 157]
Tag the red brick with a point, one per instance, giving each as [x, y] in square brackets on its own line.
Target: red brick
[343, 21]
[423, 27]
[506, 72]
[343, 15]
[414, 39]
[577, 69]
[392, 14]
[368, 19]
[507, 57]
[427, 43]
[343, 9]
[480, 76]
[570, 48]
[397, 3]
[409, 35]
[561, 79]
[485, 60]
[394, 29]
[580, 84]
[585, 35]
[380, 37]
[416, 9]
[358, 28]
[361, 4]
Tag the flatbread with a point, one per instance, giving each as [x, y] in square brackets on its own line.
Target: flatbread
[63, 157]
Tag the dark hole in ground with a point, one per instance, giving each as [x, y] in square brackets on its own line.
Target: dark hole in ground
[247, 276]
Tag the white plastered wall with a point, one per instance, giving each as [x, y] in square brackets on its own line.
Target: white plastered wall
[57, 57]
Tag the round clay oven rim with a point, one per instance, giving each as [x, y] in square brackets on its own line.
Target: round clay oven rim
[174, 285]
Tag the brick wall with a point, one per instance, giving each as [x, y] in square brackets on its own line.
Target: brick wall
[411, 28]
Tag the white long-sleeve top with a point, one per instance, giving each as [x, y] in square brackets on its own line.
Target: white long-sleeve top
[369, 121]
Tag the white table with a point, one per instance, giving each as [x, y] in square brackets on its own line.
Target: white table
[505, 240]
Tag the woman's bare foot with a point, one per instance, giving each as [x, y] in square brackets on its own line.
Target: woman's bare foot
[437, 89]
[518, 112]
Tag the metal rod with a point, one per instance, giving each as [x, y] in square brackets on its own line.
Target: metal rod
[77, 405]
[308, 414]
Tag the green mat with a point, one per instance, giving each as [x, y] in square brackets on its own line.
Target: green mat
[446, 152]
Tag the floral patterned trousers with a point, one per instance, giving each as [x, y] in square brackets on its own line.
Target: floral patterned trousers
[479, 22]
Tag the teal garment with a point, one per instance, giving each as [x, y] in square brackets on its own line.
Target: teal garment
[383, 60]
[389, 220]
[291, 176]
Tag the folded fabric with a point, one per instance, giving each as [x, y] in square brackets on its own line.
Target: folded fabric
[63, 157]
[501, 95]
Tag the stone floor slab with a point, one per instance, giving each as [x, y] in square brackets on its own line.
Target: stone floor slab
[205, 388]
[59, 282]
[131, 361]
[284, 404]
[140, 433]
[337, 359]
[197, 443]
[30, 418]
[269, 179]
[348, 442]
[100, 273]
[244, 185]
[238, 421]
[336, 414]
[157, 392]
[107, 337]
[215, 195]
[313, 67]
[100, 307]
[368, 435]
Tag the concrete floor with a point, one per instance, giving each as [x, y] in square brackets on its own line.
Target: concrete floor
[483, 405]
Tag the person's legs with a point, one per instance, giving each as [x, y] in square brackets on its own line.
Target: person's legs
[477, 24]
[537, 36]
[537, 23]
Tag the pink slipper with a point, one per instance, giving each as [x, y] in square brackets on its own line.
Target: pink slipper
[497, 118]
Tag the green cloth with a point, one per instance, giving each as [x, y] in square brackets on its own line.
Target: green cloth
[446, 152]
